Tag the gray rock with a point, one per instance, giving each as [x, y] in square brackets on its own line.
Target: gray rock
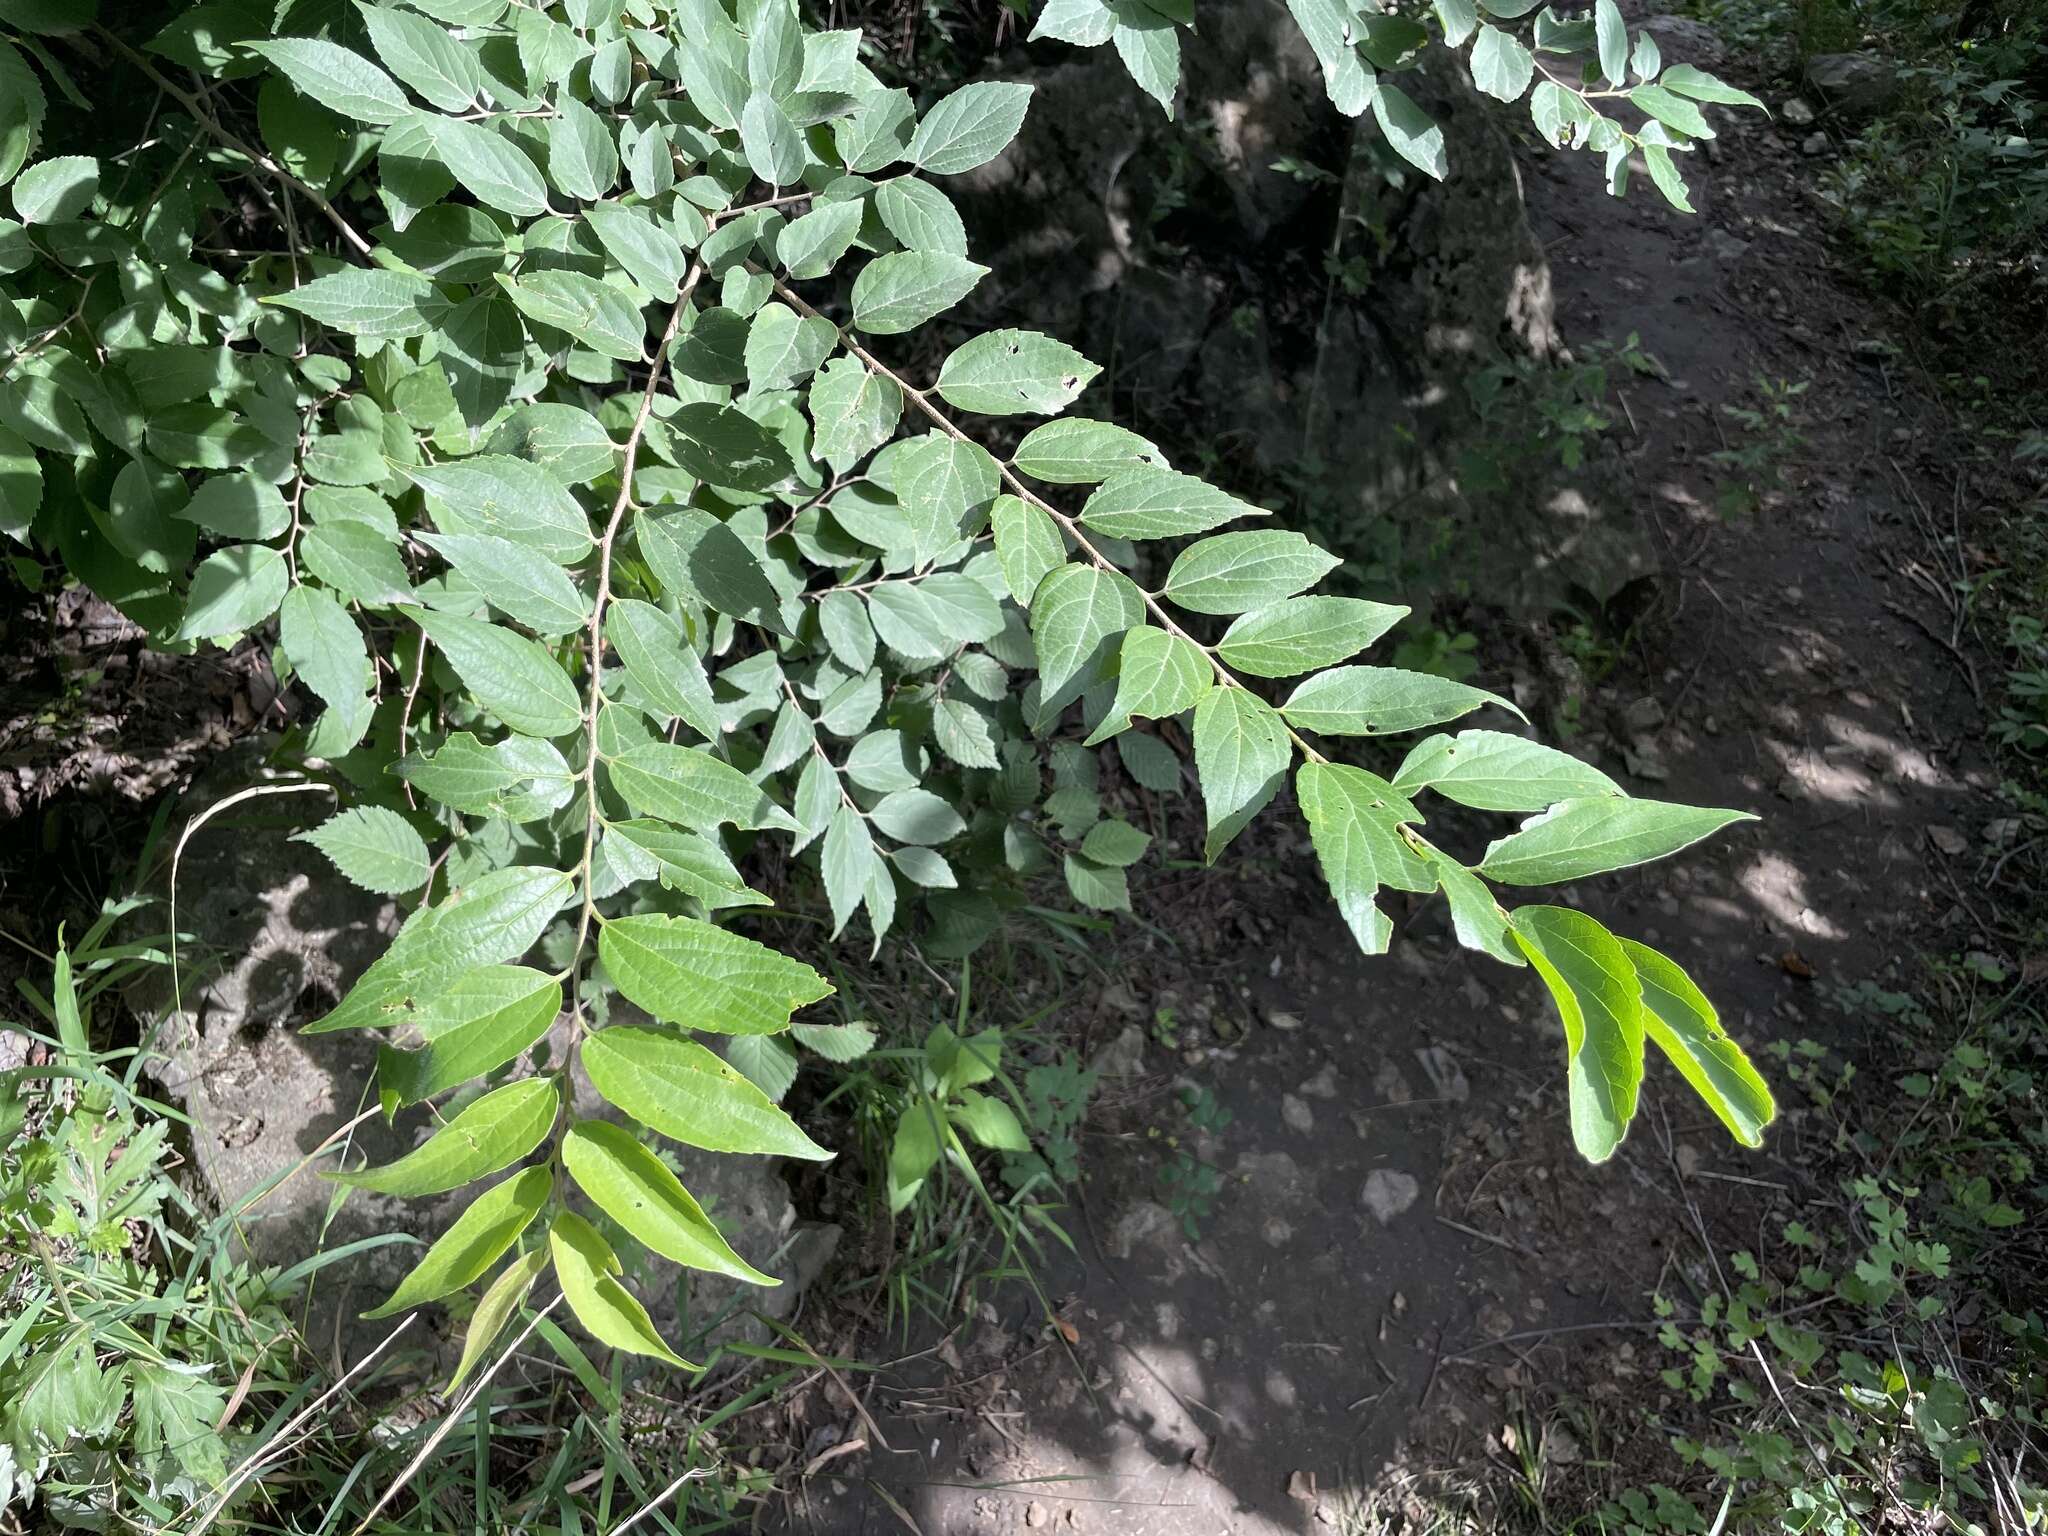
[1814, 144]
[1122, 1057]
[1796, 112]
[290, 936]
[1725, 247]
[1296, 1114]
[1856, 85]
[1389, 1193]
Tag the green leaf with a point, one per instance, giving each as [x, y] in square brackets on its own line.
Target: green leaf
[693, 789]
[234, 590]
[471, 1026]
[1476, 917]
[661, 663]
[375, 848]
[1304, 634]
[1612, 33]
[917, 816]
[785, 348]
[1149, 47]
[424, 56]
[587, 1269]
[1077, 614]
[1083, 452]
[724, 446]
[989, 1122]
[1600, 1004]
[340, 80]
[1028, 544]
[1415, 137]
[1241, 756]
[1098, 887]
[519, 778]
[1678, 1017]
[1672, 110]
[649, 253]
[1701, 86]
[1501, 66]
[1331, 27]
[1005, 373]
[1381, 701]
[512, 677]
[774, 148]
[517, 500]
[1160, 504]
[932, 618]
[365, 302]
[689, 863]
[901, 291]
[327, 652]
[913, 1152]
[1115, 843]
[501, 1299]
[495, 170]
[811, 245]
[687, 972]
[1493, 771]
[493, 1132]
[853, 411]
[1458, 18]
[701, 560]
[486, 1227]
[237, 506]
[1664, 176]
[582, 159]
[963, 733]
[1237, 572]
[1158, 675]
[597, 314]
[1355, 820]
[970, 127]
[481, 349]
[682, 1091]
[357, 562]
[765, 1061]
[920, 216]
[921, 866]
[847, 862]
[1084, 23]
[637, 1190]
[526, 587]
[1582, 837]
[494, 917]
[835, 1042]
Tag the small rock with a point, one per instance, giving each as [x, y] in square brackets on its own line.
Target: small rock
[1644, 761]
[1875, 348]
[1323, 1085]
[1561, 1446]
[1388, 1193]
[1814, 144]
[1725, 247]
[1301, 1486]
[1297, 1115]
[1688, 1159]
[1644, 714]
[1949, 841]
[1119, 996]
[2003, 832]
[1445, 1076]
[1122, 1057]
[1036, 1514]
[1282, 1020]
[1853, 84]
[1796, 112]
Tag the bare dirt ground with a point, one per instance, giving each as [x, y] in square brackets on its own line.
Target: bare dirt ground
[1406, 1257]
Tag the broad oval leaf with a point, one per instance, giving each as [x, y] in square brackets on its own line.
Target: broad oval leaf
[1005, 373]
[1582, 837]
[1304, 634]
[1381, 701]
[513, 677]
[700, 976]
[587, 1270]
[682, 1091]
[375, 848]
[1236, 572]
[486, 1227]
[1241, 756]
[494, 1132]
[1600, 1004]
[1493, 771]
[637, 1190]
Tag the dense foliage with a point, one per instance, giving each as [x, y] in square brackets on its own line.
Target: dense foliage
[582, 491]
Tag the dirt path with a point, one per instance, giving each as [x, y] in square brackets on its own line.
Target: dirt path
[1405, 1243]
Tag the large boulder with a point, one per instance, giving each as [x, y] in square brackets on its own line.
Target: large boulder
[276, 937]
[1855, 85]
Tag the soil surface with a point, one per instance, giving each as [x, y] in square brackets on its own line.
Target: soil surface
[1405, 1257]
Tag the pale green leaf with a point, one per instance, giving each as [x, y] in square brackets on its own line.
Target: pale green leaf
[1241, 757]
[901, 291]
[1158, 675]
[1005, 373]
[339, 79]
[1355, 820]
[479, 1235]
[1582, 837]
[526, 587]
[1493, 771]
[682, 1091]
[511, 676]
[1600, 1004]
[1381, 701]
[501, 1299]
[587, 1270]
[375, 848]
[969, 127]
[366, 302]
[692, 973]
[1678, 1017]
[1304, 634]
[492, 1132]
[234, 590]
[1160, 504]
[638, 1191]
[1237, 572]
[691, 788]
[1078, 614]
[662, 664]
